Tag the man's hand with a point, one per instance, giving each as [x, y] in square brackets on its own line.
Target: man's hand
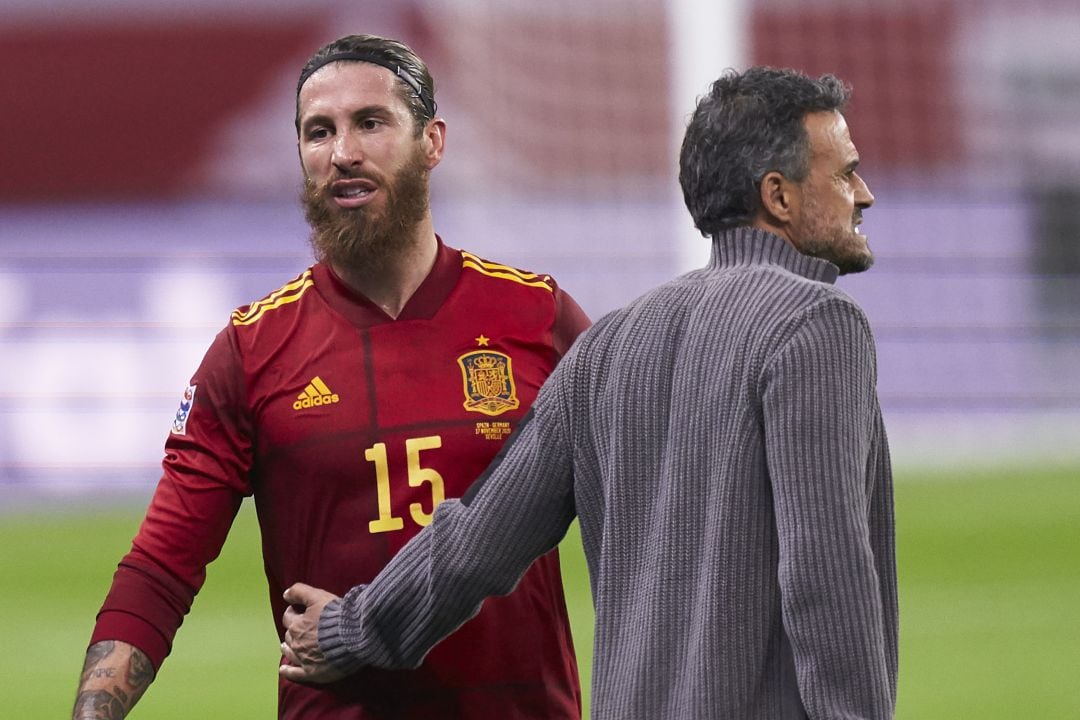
[304, 661]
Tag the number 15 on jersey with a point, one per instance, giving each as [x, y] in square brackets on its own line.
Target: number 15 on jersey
[418, 476]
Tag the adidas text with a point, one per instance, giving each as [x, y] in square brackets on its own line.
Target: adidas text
[315, 401]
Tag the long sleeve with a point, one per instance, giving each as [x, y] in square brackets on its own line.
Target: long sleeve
[820, 411]
[207, 457]
[474, 548]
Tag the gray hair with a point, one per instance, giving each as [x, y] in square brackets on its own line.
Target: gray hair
[748, 125]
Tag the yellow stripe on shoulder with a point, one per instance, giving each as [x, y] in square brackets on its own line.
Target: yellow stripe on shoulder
[288, 293]
[496, 267]
[505, 272]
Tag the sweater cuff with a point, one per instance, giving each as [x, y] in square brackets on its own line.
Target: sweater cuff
[333, 643]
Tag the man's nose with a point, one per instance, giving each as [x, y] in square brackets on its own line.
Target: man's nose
[863, 197]
[348, 151]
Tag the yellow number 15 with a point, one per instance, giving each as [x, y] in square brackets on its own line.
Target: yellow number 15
[417, 476]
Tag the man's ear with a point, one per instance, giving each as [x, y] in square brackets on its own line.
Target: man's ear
[778, 198]
[781, 207]
[434, 140]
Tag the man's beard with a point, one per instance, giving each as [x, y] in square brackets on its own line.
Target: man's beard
[841, 246]
[366, 237]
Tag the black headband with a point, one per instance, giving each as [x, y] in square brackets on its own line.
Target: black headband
[376, 58]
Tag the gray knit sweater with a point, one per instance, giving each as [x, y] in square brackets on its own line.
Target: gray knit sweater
[721, 442]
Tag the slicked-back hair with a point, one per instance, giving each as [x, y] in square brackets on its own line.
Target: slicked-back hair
[394, 52]
[748, 125]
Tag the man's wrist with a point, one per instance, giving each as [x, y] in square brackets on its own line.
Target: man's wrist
[333, 639]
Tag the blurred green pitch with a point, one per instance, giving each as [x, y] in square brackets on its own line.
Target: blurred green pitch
[989, 581]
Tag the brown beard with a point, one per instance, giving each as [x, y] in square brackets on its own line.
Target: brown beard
[366, 238]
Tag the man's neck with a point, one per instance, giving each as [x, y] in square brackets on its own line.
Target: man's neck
[392, 283]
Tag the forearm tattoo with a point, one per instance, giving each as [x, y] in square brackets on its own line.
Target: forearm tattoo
[102, 704]
[97, 653]
[96, 699]
[140, 671]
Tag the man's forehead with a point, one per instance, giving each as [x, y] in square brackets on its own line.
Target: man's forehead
[829, 134]
[343, 80]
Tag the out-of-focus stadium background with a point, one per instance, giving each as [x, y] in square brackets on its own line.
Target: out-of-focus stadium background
[148, 185]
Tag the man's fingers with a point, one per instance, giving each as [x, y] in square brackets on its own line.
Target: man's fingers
[289, 655]
[301, 660]
[299, 594]
[292, 672]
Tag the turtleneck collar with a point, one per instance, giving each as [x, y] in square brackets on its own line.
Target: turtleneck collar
[753, 246]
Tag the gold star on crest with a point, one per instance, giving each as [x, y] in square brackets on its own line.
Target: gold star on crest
[482, 341]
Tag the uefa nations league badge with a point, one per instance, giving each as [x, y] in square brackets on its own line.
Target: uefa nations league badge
[179, 425]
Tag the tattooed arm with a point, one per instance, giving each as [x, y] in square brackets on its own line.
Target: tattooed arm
[114, 677]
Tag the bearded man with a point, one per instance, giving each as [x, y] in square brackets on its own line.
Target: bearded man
[349, 403]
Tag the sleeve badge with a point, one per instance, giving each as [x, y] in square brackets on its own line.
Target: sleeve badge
[179, 425]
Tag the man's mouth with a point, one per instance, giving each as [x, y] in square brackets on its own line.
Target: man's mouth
[353, 192]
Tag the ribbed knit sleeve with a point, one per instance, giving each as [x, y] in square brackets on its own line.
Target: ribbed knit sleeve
[475, 547]
[820, 413]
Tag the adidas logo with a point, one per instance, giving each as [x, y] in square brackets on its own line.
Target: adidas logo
[314, 395]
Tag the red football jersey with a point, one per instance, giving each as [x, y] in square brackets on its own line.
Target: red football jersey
[348, 427]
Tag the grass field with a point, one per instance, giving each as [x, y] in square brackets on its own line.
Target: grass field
[990, 605]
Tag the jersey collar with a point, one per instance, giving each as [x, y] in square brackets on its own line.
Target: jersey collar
[423, 304]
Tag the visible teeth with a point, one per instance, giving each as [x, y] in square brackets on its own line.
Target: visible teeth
[355, 192]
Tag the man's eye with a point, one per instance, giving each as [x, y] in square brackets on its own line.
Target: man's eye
[318, 133]
[370, 123]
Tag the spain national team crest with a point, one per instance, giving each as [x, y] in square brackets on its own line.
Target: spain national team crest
[489, 382]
